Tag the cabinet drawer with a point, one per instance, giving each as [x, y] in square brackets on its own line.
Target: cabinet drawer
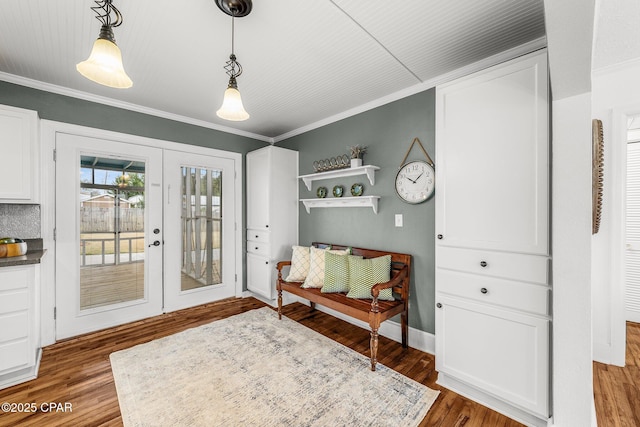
[507, 293]
[258, 235]
[527, 268]
[14, 354]
[15, 277]
[14, 301]
[258, 248]
[14, 326]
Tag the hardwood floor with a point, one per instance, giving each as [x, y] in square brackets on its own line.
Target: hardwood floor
[78, 371]
[617, 390]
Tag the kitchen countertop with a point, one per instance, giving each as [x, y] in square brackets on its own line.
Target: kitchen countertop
[34, 254]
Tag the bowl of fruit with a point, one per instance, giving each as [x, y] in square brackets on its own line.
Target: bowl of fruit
[12, 246]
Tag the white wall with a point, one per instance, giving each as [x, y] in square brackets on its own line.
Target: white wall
[616, 94]
[571, 255]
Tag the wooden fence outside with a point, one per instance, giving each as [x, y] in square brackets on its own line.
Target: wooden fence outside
[102, 220]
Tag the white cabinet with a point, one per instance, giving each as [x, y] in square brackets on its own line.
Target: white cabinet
[272, 214]
[20, 170]
[493, 159]
[19, 330]
[492, 224]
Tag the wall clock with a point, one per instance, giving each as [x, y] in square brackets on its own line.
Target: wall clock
[415, 182]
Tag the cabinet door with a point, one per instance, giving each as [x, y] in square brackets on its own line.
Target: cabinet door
[259, 272]
[492, 159]
[18, 335]
[503, 353]
[258, 191]
[18, 144]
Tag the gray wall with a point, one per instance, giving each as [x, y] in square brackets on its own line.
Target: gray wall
[387, 131]
[66, 109]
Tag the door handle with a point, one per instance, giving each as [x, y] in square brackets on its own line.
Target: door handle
[156, 243]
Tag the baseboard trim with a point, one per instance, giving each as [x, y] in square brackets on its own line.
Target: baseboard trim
[492, 402]
[21, 376]
[418, 339]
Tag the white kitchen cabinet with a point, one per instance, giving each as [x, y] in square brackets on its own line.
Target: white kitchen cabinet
[272, 214]
[19, 175]
[493, 320]
[19, 329]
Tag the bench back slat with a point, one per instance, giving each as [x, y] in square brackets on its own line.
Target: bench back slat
[398, 260]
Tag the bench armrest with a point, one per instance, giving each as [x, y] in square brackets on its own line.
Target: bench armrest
[397, 280]
[279, 266]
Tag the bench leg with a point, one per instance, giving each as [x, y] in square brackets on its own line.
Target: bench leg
[405, 330]
[279, 304]
[374, 349]
[312, 305]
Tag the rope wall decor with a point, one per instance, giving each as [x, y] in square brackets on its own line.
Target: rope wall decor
[597, 174]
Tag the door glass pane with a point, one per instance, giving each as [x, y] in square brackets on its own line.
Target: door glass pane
[201, 227]
[111, 231]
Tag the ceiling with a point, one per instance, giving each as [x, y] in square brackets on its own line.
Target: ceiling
[305, 62]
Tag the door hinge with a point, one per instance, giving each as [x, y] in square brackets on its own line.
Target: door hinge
[55, 313]
[54, 154]
[236, 277]
[54, 234]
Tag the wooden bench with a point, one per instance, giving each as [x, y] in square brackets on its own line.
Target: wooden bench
[371, 311]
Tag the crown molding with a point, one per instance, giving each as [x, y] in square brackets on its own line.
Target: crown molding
[60, 90]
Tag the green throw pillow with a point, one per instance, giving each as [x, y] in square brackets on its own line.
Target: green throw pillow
[364, 273]
[336, 273]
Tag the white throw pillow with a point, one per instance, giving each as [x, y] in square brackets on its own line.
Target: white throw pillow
[299, 264]
[315, 277]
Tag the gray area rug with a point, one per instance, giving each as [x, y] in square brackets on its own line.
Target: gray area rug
[255, 370]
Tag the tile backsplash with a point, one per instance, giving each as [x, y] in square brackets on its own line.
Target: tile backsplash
[21, 221]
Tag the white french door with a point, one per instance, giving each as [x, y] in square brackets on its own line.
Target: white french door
[108, 214]
[200, 228]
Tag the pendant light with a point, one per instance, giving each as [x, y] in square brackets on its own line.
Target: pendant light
[104, 65]
[232, 108]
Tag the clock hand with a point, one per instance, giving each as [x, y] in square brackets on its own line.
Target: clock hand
[418, 177]
[411, 180]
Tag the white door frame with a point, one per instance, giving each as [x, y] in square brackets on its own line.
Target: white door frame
[48, 131]
[618, 176]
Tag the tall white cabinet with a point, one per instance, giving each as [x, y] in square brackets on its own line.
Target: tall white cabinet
[492, 245]
[272, 214]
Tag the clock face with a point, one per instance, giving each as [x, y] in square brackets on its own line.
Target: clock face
[415, 182]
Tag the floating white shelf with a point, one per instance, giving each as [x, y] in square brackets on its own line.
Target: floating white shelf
[343, 202]
[368, 170]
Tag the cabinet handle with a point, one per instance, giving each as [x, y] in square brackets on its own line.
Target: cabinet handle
[266, 262]
[439, 305]
[256, 248]
[256, 236]
[440, 236]
[267, 225]
[483, 263]
[484, 290]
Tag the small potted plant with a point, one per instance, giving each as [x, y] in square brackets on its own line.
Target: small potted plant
[356, 152]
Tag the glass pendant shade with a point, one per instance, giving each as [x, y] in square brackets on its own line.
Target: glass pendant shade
[104, 65]
[232, 108]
